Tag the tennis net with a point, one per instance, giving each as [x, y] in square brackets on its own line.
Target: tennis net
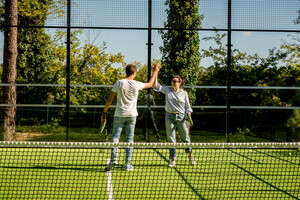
[60, 170]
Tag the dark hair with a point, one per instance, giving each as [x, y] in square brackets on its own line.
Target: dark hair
[130, 69]
[180, 78]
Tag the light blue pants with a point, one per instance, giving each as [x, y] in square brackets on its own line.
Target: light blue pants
[176, 122]
[119, 123]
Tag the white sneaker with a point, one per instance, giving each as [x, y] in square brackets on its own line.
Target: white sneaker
[110, 166]
[192, 160]
[172, 163]
[128, 167]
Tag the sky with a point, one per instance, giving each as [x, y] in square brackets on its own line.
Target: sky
[250, 15]
[132, 44]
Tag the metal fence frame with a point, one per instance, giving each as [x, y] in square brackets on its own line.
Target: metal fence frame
[149, 29]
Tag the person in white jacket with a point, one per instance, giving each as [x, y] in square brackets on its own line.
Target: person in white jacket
[177, 108]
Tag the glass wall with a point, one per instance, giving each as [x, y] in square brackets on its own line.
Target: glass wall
[69, 60]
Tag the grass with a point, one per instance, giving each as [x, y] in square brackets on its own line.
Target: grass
[56, 173]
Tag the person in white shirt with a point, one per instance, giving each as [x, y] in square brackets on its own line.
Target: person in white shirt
[125, 115]
[177, 108]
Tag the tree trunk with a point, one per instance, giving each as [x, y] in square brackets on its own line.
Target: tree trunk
[9, 71]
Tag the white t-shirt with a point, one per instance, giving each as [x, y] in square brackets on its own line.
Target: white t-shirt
[127, 94]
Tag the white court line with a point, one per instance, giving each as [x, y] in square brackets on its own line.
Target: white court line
[109, 184]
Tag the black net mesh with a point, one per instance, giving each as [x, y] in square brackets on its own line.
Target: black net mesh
[42, 170]
[113, 13]
[134, 14]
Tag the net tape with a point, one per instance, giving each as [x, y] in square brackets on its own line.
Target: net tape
[22, 144]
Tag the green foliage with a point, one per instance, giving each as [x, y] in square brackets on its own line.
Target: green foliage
[42, 59]
[34, 59]
[244, 131]
[243, 135]
[277, 69]
[90, 65]
[293, 123]
[249, 70]
[180, 50]
[293, 50]
[35, 13]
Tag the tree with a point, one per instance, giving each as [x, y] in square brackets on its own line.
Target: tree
[293, 124]
[10, 70]
[35, 58]
[181, 43]
[90, 65]
[41, 59]
[293, 51]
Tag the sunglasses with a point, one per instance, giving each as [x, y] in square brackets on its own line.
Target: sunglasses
[176, 81]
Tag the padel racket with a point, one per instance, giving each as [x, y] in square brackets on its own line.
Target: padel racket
[189, 118]
[102, 126]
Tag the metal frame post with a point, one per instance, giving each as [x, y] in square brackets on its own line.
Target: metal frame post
[228, 99]
[68, 67]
